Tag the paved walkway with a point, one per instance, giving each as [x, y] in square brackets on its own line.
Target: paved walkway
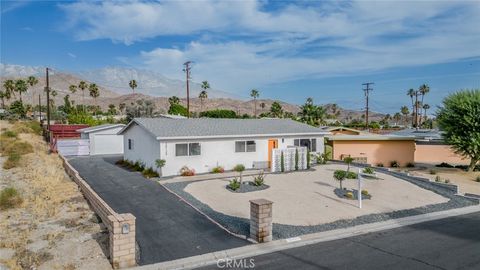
[167, 228]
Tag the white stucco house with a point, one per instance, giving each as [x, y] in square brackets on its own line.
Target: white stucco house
[103, 139]
[205, 143]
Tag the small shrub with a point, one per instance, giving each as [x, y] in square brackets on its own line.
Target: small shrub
[349, 195]
[185, 171]
[340, 175]
[218, 169]
[394, 164]
[21, 148]
[410, 165]
[379, 164]
[9, 134]
[432, 171]
[352, 175]
[447, 181]
[239, 168]
[437, 178]
[369, 170]
[9, 198]
[259, 180]
[121, 162]
[364, 192]
[139, 166]
[234, 184]
[149, 173]
[477, 179]
[444, 165]
[12, 161]
[282, 162]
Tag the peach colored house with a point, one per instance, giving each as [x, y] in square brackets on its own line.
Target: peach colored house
[374, 149]
[435, 153]
[343, 131]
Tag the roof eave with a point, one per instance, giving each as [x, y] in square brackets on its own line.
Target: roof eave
[243, 136]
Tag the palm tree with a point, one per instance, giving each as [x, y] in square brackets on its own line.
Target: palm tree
[121, 107]
[173, 100]
[422, 90]
[397, 117]
[425, 108]
[2, 97]
[412, 93]
[9, 86]
[203, 95]
[133, 85]
[255, 94]
[82, 86]
[32, 81]
[72, 88]
[94, 93]
[404, 110]
[21, 86]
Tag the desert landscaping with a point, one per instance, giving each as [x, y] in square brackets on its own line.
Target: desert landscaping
[45, 221]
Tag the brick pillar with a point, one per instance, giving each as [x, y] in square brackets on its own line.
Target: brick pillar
[261, 220]
[122, 241]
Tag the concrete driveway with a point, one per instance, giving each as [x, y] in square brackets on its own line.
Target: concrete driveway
[166, 227]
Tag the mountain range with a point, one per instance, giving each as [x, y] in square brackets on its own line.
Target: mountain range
[114, 89]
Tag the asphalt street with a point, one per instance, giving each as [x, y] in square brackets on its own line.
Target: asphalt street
[451, 243]
[166, 227]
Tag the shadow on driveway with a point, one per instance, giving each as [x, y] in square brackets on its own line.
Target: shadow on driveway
[166, 227]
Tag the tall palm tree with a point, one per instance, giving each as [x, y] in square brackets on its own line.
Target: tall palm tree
[72, 88]
[397, 117]
[262, 105]
[425, 108]
[2, 97]
[255, 94]
[404, 110]
[9, 86]
[412, 93]
[94, 93]
[133, 85]
[32, 81]
[21, 86]
[423, 90]
[82, 86]
[203, 95]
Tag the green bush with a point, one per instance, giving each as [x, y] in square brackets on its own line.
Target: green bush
[219, 113]
[380, 165]
[394, 164]
[438, 179]
[447, 181]
[340, 175]
[9, 198]
[444, 165]
[121, 162]
[9, 134]
[352, 175]
[369, 170]
[410, 165]
[218, 169]
[349, 195]
[149, 173]
[364, 192]
[259, 180]
[432, 171]
[234, 184]
[139, 166]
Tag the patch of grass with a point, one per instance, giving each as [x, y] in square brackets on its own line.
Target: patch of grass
[149, 173]
[9, 198]
[28, 127]
[9, 134]
[12, 161]
[31, 260]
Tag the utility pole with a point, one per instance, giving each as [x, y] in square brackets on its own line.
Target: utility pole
[186, 69]
[47, 88]
[40, 108]
[367, 89]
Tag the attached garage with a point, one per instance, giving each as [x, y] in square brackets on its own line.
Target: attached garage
[103, 139]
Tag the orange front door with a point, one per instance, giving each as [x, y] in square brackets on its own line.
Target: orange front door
[271, 145]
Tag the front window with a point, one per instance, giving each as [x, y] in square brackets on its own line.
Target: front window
[245, 146]
[311, 144]
[187, 149]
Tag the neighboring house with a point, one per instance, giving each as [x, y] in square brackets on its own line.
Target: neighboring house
[205, 143]
[103, 139]
[430, 147]
[343, 131]
[373, 149]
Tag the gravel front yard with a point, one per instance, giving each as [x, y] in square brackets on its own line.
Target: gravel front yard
[304, 201]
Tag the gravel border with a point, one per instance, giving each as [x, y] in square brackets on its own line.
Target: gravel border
[241, 226]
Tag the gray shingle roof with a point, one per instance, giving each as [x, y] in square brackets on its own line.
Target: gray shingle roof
[427, 134]
[210, 127]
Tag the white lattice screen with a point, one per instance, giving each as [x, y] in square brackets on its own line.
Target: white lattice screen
[289, 159]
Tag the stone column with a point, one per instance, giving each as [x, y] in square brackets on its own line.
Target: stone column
[261, 220]
[122, 241]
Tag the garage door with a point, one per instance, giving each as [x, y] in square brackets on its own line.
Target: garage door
[73, 147]
[106, 144]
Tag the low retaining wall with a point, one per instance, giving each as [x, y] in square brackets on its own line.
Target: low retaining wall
[121, 227]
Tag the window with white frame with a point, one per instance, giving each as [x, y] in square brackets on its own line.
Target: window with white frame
[245, 146]
[311, 144]
[187, 149]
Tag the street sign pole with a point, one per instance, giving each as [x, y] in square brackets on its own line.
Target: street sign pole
[359, 192]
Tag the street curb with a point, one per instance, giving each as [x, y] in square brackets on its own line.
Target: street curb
[308, 239]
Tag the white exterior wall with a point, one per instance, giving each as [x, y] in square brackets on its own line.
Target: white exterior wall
[106, 141]
[221, 152]
[145, 147]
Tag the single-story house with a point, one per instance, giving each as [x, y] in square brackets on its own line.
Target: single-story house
[343, 131]
[205, 143]
[103, 139]
[430, 147]
[374, 149]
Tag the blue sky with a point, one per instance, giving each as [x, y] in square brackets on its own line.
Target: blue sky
[287, 50]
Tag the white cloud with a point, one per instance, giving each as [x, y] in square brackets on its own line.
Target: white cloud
[72, 55]
[245, 44]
